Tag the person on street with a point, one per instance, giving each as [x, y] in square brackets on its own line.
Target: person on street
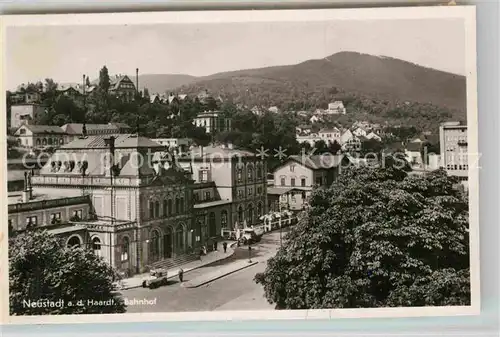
[181, 275]
[224, 245]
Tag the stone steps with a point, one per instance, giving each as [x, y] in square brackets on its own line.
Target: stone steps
[174, 262]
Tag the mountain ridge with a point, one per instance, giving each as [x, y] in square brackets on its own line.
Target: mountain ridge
[380, 77]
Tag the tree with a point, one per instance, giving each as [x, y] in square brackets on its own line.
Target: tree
[50, 85]
[104, 82]
[42, 268]
[334, 147]
[377, 238]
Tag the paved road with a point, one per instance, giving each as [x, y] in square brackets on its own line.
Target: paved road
[223, 294]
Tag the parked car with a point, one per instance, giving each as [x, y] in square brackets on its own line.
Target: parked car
[251, 236]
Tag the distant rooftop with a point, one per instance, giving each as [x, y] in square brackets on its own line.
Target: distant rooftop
[218, 152]
[127, 141]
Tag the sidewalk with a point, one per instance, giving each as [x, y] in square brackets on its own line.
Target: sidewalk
[136, 281]
[217, 274]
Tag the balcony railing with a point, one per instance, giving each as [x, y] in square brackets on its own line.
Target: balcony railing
[45, 204]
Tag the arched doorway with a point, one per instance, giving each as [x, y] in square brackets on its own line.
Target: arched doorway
[250, 214]
[212, 226]
[74, 241]
[167, 243]
[155, 245]
[125, 252]
[179, 239]
[240, 214]
[96, 246]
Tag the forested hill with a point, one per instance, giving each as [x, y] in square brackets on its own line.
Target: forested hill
[314, 83]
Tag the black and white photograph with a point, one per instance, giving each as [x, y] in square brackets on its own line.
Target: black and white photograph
[249, 165]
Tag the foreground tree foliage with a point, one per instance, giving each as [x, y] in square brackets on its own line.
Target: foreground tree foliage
[376, 238]
[42, 269]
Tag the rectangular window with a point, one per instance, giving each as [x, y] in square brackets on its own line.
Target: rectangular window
[250, 191]
[240, 193]
[31, 221]
[203, 176]
[319, 181]
[292, 181]
[259, 190]
[207, 195]
[303, 182]
[282, 181]
[55, 218]
[292, 168]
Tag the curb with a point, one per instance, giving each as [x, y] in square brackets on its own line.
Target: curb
[185, 271]
[221, 276]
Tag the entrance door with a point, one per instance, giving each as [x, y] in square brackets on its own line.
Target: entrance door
[167, 246]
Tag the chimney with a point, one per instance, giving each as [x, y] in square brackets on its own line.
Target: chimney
[137, 79]
[27, 193]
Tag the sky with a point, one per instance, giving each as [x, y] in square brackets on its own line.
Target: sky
[65, 53]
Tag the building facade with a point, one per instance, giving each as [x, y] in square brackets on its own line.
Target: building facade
[239, 177]
[304, 174]
[454, 149]
[212, 121]
[24, 113]
[39, 136]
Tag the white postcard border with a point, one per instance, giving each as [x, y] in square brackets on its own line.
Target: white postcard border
[400, 13]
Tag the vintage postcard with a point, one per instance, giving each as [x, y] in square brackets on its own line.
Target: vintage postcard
[240, 165]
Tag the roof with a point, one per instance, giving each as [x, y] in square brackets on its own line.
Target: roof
[318, 162]
[153, 98]
[326, 130]
[219, 152]
[43, 128]
[283, 190]
[77, 128]
[414, 147]
[121, 141]
[115, 81]
[212, 204]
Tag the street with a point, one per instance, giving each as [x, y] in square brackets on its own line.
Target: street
[237, 290]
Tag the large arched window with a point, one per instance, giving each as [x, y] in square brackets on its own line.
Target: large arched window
[212, 226]
[125, 249]
[250, 172]
[155, 245]
[44, 141]
[250, 214]
[259, 171]
[96, 246]
[179, 238]
[177, 205]
[74, 241]
[223, 219]
[38, 142]
[165, 208]
[151, 209]
[240, 214]
[157, 209]
[169, 207]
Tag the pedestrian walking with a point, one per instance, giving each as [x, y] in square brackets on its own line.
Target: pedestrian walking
[181, 275]
[224, 245]
[215, 245]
